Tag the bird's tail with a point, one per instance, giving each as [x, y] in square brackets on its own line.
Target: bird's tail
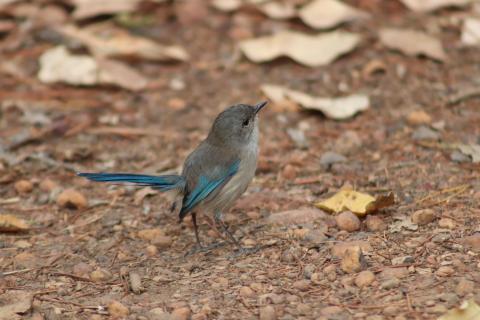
[162, 183]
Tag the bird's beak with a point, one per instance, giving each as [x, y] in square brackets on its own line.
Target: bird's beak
[260, 106]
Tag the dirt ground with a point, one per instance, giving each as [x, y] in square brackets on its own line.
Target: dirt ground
[116, 252]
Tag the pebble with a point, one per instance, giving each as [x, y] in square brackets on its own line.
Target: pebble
[445, 271]
[246, 292]
[182, 313]
[330, 157]
[398, 273]
[375, 223]
[424, 216]
[390, 284]
[268, 313]
[135, 282]
[158, 314]
[151, 250]
[117, 310]
[150, 234]
[176, 103]
[48, 185]
[100, 275]
[348, 221]
[353, 260]
[425, 133]
[72, 198]
[416, 118]
[302, 285]
[289, 172]
[459, 157]
[464, 287]
[473, 242]
[402, 260]
[162, 242]
[338, 250]
[347, 143]
[446, 223]
[82, 269]
[364, 279]
[23, 186]
[304, 309]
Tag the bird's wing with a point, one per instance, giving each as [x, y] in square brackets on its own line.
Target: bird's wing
[206, 171]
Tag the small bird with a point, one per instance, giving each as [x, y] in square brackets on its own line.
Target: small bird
[215, 174]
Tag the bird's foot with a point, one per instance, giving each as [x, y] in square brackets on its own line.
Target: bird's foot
[199, 249]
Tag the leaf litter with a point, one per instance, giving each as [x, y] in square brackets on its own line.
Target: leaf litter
[91, 8]
[311, 51]
[432, 5]
[334, 108]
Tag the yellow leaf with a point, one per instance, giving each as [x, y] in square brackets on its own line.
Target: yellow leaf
[469, 310]
[9, 223]
[356, 202]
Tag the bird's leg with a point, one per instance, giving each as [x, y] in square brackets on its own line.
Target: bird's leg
[195, 227]
[219, 221]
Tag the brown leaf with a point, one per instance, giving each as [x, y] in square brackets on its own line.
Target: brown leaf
[413, 43]
[106, 40]
[91, 8]
[325, 14]
[10, 223]
[14, 303]
[312, 51]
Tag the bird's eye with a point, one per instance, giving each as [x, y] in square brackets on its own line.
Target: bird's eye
[246, 122]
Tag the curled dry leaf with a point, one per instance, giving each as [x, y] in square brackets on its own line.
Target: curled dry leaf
[356, 202]
[471, 32]
[226, 5]
[15, 302]
[312, 51]
[91, 8]
[413, 43]
[278, 10]
[471, 150]
[468, 310]
[10, 223]
[334, 108]
[58, 65]
[325, 14]
[431, 5]
[105, 40]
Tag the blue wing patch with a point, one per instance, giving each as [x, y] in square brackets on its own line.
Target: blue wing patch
[204, 187]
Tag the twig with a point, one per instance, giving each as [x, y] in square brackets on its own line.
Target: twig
[9, 273]
[466, 94]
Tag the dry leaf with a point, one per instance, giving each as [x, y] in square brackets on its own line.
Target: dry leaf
[142, 194]
[13, 303]
[105, 40]
[312, 51]
[334, 108]
[413, 43]
[469, 310]
[226, 5]
[58, 65]
[278, 10]
[354, 201]
[91, 8]
[471, 32]
[325, 14]
[431, 5]
[471, 150]
[10, 223]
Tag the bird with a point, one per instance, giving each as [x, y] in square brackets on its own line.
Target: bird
[215, 174]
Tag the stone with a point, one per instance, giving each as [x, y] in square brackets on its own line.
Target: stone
[162, 242]
[424, 216]
[100, 275]
[246, 292]
[364, 278]
[390, 284]
[416, 118]
[348, 221]
[473, 242]
[48, 185]
[150, 234]
[330, 157]
[338, 250]
[72, 198]
[23, 186]
[302, 285]
[117, 310]
[425, 133]
[464, 287]
[459, 157]
[182, 313]
[398, 273]
[158, 314]
[268, 313]
[403, 260]
[375, 223]
[353, 260]
[445, 271]
[447, 223]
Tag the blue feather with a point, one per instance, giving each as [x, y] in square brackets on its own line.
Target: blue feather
[163, 183]
[206, 186]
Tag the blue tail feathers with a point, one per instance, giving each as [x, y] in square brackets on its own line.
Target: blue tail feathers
[162, 183]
